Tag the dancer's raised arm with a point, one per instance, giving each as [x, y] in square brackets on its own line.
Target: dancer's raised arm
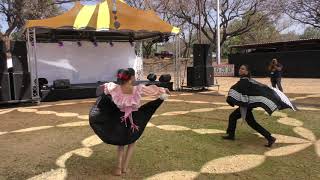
[153, 90]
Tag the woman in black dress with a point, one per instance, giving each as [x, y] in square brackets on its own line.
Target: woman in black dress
[275, 69]
[117, 117]
[248, 94]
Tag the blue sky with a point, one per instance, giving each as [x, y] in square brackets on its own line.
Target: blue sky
[295, 27]
[3, 24]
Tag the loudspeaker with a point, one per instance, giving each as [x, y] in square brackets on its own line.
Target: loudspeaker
[61, 84]
[42, 81]
[152, 77]
[3, 58]
[22, 86]
[5, 93]
[195, 76]
[19, 56]
[43, 85]
[209, 76]
[202, 55]
[157, 83]
[165, 78]
[200, 76]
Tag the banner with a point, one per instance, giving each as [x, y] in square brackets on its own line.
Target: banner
[224, 70]
[86, 63]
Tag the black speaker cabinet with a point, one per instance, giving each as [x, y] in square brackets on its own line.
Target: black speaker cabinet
[3, 58]
[195, 76]
[61, 84]
[200, 76]
[202, 55]
[152, 77]
[22, 86]
[5, 93]
[209, 74]
[19, 56]
[165, 78]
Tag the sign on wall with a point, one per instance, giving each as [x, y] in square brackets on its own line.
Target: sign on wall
[224, 70]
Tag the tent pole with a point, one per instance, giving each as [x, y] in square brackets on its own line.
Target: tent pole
[175, 64]
[177, 72]
[141, 49]
[179, 61]
[141, 56]
[35, 79]
[178, 65]
[218, 56]
[29, 54]
[28, 49]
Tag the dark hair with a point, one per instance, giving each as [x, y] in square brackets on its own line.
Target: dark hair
[124, 75]
[248, 69]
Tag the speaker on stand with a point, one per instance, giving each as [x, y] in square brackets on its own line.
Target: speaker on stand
[152, 77]
[202, 55]
[19, 56]
[3, 58]
[21, 77]
[5, 92]
[201, 75]
[165, 78]
[61, 84]
[22, 86]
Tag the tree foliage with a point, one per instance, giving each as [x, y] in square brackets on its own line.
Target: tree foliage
[311, 32]
[303, 11]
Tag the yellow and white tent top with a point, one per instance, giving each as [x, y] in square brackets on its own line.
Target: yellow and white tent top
[99, 17]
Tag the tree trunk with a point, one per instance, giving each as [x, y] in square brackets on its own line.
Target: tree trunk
[6, 40]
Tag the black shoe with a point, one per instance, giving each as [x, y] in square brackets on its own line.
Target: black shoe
[228, 137]
[271, 141]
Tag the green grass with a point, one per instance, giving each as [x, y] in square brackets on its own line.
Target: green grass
[158, 151]
[310, 119]
[161, 151]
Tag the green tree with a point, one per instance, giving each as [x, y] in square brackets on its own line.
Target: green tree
[16, 12]
[290, 36]
[263, 31]
[303, 11]
[311, 32]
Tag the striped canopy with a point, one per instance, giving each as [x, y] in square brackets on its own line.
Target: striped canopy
[101, 18]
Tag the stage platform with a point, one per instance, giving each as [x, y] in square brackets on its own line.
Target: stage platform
[84, 91]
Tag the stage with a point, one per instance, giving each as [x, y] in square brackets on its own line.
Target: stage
[88, 90]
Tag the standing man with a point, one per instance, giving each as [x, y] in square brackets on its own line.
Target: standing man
[275, 69]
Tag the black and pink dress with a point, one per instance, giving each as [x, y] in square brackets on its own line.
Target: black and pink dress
[118, 118]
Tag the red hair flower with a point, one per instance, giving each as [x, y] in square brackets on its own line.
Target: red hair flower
[123, 76]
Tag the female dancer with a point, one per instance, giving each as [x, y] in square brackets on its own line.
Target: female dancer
[275, 69]
[117, 117]
[248, 94]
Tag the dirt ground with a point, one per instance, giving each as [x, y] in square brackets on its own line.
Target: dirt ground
[290, 85]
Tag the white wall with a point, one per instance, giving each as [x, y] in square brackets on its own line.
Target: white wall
[85, 64]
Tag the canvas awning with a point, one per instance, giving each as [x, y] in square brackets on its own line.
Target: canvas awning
[100, 18]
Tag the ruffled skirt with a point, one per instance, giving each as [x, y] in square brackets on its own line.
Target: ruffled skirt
[105, 120]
